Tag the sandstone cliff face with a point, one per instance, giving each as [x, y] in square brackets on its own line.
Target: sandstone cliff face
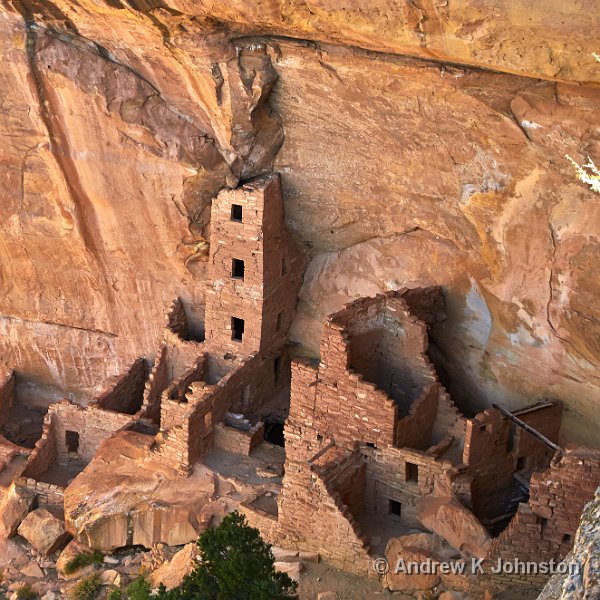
[121, 120]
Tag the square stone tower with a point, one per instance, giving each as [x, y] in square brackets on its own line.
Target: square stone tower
[255, 270]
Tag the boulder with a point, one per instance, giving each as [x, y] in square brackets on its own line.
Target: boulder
[284, 555]
[124, 498]
[293, 569]
[10, 553]
[172, 572]
[111, 578]
[71, 550]
[456, 524]
[17, 502]
[44, 531]
[415, 547]
[32, 570]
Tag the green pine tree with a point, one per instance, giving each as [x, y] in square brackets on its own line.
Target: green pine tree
[236, 564]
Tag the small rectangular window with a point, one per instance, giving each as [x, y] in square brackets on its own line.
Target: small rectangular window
[567, 538]
[72, 441]
[237, 268]
[412, 472]
[237, 329]
[395, 508]
[280, 321]
[285, 267]
[236, 212]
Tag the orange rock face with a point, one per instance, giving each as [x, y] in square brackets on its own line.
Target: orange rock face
[121, 120]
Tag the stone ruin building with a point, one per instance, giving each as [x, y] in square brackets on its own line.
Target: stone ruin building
[374, 450]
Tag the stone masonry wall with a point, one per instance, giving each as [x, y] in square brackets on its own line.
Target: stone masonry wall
[348, 408]
[313, 515]
[390, 475]
[92, 424]
[126, 395]
[155, 385]
[487, 453]
[187, 421]
[230, 297]
[265, 296]
[7, 395]
[449, 420]
[543, 418]
[47, 493]
[45, 452]
[545, 528]
[416, 429]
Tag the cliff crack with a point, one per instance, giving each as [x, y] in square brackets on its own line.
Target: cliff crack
[60, 325]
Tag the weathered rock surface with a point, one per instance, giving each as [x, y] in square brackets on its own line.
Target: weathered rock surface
[127, 497]
[124, 498]
[172, 572]
[15, 505]
[44, 531]
[448, 518]
[396, 172]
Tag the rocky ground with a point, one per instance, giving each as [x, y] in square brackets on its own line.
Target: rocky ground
[22, 565]
[419, 144]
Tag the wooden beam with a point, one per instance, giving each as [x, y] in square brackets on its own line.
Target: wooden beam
[536, 434]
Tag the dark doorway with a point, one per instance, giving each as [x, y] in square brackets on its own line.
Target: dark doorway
[274, 433]
[72, 441]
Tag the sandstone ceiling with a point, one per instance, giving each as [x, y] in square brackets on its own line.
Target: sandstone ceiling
[419, 143]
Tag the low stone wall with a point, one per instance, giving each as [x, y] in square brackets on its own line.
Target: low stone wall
[91, 425]
[155, 385]
[238, 441]
[44, 453]
[47, 493]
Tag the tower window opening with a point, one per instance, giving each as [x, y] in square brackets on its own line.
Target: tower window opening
[237, 329]
[279, 325]
[412, 472]
[285, 266]
[237, 268]
[237, 212]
